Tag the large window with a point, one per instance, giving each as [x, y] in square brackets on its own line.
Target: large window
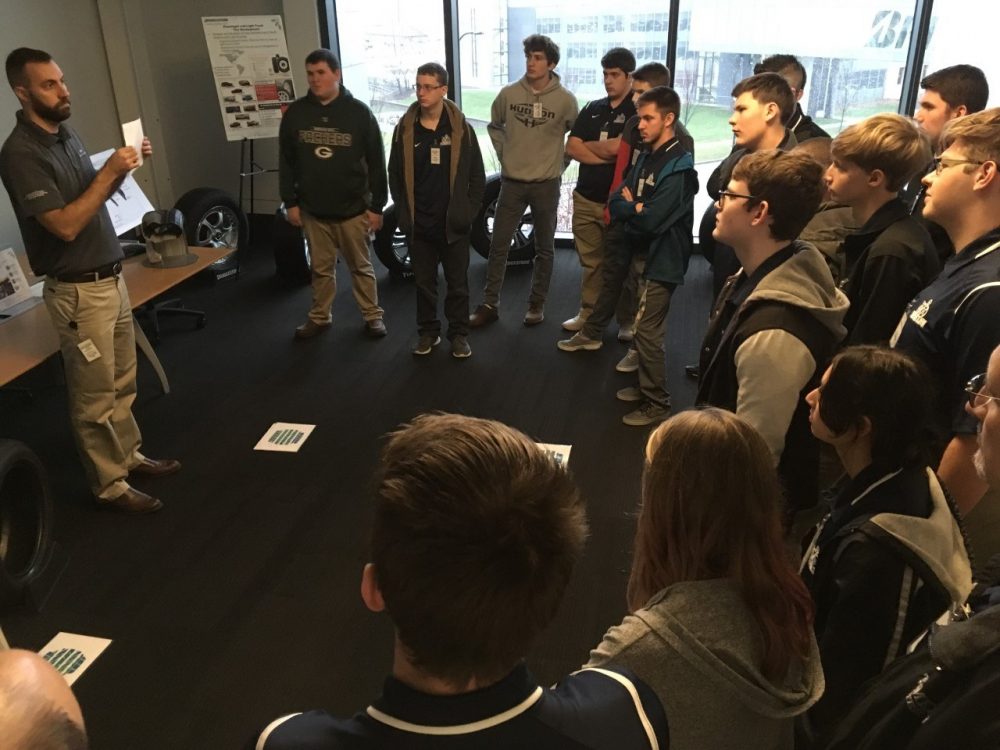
[957, 35]
[382, 43]
[852, 56]
[491, 55]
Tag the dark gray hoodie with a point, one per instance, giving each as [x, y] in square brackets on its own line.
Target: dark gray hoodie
[697, 645]
[529, 129]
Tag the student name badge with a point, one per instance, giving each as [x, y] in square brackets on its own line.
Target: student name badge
[435, 155]
[536, 109]
[88, 350]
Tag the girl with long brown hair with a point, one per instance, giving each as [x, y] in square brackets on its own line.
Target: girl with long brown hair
[720, 624]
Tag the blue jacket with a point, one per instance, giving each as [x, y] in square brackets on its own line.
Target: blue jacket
[663, 229]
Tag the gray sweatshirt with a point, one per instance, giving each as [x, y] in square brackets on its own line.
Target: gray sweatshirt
[698, 647]
[529, 130]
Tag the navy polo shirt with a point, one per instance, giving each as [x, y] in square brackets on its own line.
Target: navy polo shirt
[954, 324]
[43, 172]
[599, 709]
[431, 181]
[600, 121]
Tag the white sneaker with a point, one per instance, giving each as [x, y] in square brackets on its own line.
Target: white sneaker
[629, 363]
[578, 342]
[625, 334]
[630, 394]
[576, 323]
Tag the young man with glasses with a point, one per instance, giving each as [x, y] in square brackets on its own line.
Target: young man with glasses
[331, 173]
[776, 322]
[437, 180]
[890, 257]
[954, 323]
[762, 105]
[528, 125]
[948, 93]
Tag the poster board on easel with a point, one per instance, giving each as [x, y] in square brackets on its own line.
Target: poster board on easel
[252, 73]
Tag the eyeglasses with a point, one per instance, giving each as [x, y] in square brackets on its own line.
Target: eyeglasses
[941, 163]
[976, 391]
[728, 194]
[418, 87]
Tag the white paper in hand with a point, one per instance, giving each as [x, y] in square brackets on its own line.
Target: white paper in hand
[133, 135]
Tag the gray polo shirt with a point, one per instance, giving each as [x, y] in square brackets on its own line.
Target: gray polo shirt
[42, 172]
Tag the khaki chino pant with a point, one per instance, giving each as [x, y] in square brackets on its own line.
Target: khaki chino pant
[589, 231]
[350, 237]
[101, 391]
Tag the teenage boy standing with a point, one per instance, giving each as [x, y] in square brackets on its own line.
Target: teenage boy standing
[891, 256]
[594, 142]
[476, 532]
[954, 323]
[656, 206]
[528, 126]
[437, 180]
[793, 71]
[331, 170]
[777, 321]
[948, 93]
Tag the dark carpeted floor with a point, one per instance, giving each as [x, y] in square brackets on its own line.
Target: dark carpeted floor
[239, 601]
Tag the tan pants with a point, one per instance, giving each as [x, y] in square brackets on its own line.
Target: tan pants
[101, 391]
[588, 236]
[326, 237]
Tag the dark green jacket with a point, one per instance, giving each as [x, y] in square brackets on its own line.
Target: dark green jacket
[663, 229]
[467, 180]
[331, 160]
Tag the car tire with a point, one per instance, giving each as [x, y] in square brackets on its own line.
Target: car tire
[392, 248]
[213, 218]
[291, 251]
[25, 522]
[522, 249]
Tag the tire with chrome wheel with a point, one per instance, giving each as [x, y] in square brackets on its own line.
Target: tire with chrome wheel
[213, 218]
[392, 248]
[522, 247]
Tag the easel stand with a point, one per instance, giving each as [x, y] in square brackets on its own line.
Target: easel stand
[249, 169]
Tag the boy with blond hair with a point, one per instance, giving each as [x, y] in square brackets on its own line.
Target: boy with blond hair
[954, 323]
[891, 257]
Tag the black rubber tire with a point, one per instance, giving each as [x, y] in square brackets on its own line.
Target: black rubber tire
[392, 248]
[291, 256]
[522, 248]
[25, 521]
[213, 218]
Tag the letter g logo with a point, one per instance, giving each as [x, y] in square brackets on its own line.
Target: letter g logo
[323, 152]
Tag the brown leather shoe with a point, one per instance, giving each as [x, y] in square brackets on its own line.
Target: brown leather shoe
[483, 315]
[309, 329]
[152, 467]
[131, 501]
[375, 328]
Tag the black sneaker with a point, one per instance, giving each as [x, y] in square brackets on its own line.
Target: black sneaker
[460, 348]
[425, 344]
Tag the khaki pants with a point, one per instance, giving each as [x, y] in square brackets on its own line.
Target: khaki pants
[101, 391]
[326, 237]
[589, 230]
